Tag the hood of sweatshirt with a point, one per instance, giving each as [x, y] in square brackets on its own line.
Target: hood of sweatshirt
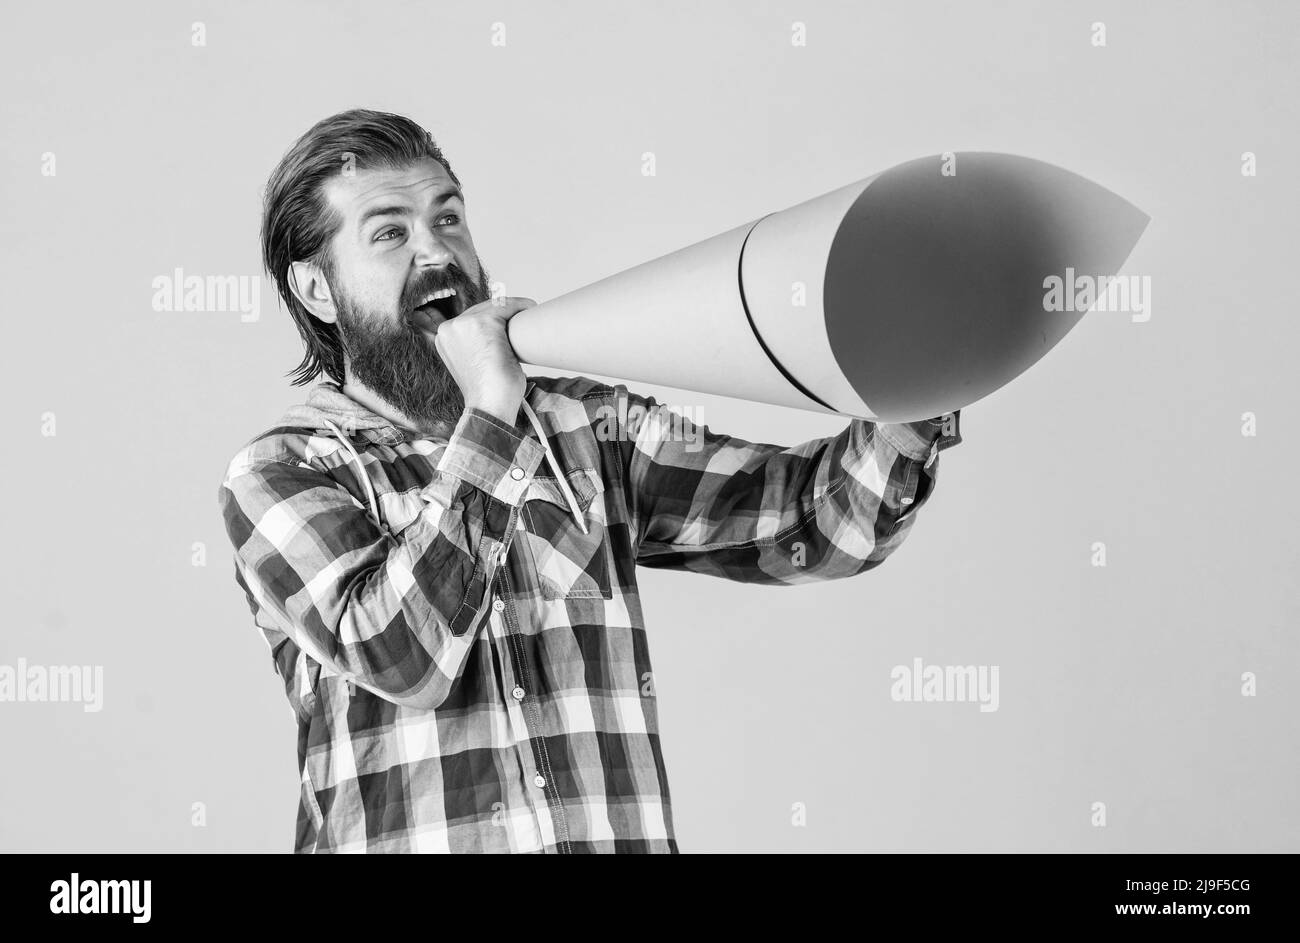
[327, 404]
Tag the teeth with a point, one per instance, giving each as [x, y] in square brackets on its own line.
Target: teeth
[441, 293]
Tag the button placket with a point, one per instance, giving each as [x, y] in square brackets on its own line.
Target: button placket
[529, 711]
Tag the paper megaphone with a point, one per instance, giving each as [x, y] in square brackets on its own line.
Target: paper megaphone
[900, 297]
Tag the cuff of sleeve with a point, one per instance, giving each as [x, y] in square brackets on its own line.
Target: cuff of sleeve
[923, 439]
[494, 457]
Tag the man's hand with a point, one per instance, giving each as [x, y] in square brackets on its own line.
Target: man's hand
[477, 353]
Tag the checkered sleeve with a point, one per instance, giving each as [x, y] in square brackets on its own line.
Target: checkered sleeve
[389, 613]
[758, 513]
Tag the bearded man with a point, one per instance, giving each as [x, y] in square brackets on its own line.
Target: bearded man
[441, 552]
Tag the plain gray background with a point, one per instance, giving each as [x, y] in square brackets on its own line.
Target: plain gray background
[1119, 684]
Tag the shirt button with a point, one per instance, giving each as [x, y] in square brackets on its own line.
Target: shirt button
[497, 604]
[517, 473]
[539, 780]
[906, 501]
[518, 692]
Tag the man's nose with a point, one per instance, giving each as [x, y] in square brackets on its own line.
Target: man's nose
[430, 251]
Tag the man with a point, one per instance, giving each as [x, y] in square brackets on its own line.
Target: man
[441, 552]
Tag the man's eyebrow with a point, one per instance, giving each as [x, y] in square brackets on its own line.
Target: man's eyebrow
[442, 197]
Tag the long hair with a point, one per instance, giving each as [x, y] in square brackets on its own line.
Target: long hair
[298, 223]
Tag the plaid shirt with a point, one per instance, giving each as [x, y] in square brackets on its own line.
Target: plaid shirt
[471, 671]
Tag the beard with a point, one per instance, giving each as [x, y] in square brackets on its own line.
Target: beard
[397, 360]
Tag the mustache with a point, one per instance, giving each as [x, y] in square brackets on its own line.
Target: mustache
[453, 276]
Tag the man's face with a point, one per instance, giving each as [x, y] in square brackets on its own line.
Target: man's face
[403, 238]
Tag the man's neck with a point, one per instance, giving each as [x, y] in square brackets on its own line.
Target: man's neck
[356, 390]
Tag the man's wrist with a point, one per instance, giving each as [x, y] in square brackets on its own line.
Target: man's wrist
[498, 410]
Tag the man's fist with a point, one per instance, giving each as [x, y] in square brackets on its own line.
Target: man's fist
[477, 352]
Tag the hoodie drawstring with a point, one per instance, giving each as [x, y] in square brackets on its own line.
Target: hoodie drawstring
[361, 468]
[555, 467]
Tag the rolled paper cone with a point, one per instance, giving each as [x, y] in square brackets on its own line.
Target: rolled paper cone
[677, 321]
[896, 298]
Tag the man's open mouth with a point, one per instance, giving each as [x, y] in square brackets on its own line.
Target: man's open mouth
[445, 301]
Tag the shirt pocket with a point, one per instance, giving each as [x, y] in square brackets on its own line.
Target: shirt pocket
[568, 563]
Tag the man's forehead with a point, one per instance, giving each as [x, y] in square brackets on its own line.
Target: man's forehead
[415, 183]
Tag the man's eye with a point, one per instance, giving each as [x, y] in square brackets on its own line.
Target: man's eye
[451, 216]
[386, 233]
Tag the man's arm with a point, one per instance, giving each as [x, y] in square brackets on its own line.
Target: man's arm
[391, 613]
[757, 513]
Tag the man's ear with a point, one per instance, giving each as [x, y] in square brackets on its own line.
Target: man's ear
[309, 286]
